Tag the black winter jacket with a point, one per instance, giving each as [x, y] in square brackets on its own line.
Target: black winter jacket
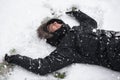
[82, 44]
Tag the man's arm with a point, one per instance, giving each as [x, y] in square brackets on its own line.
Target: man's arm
[26, 62]
[83, 19]
[61, 57]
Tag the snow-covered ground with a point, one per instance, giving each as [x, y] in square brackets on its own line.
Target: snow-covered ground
[19, 20]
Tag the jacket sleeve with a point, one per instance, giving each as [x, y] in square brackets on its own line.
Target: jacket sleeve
[62, 56]
[26, 62]
[59, 58]
[84, 19]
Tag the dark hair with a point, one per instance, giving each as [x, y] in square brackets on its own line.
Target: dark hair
[54, 20]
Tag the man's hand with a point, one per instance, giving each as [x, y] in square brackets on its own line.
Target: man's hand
[6, 58]
[10, 58]
[72, 12]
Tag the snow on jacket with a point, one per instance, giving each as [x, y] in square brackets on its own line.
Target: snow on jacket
[81, 44]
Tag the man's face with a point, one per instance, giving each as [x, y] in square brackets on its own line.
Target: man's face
[54, 26]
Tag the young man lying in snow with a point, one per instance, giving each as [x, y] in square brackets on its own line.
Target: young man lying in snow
[81, 44]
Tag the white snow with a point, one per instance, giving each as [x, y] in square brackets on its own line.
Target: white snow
[19, 20]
